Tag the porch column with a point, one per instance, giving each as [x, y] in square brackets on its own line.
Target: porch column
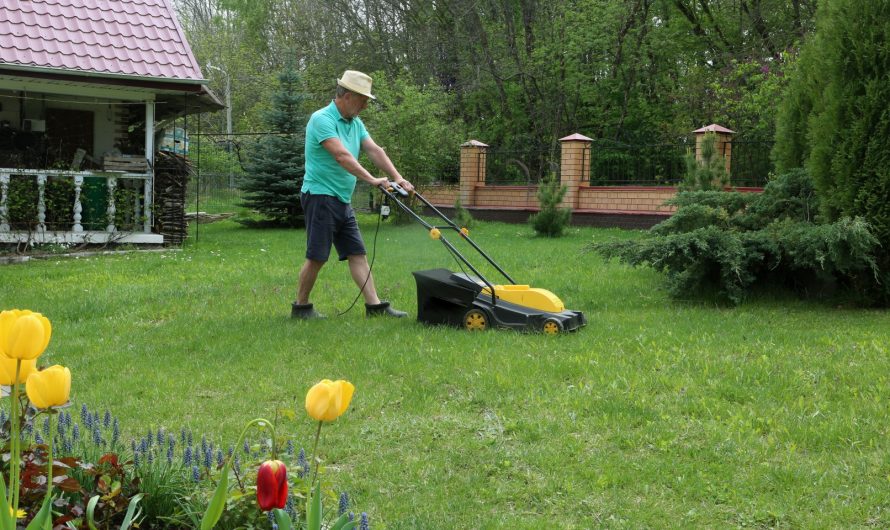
[472, 170]
[150, 157]
[574, 166]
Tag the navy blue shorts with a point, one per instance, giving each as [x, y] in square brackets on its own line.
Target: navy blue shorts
[330, 221]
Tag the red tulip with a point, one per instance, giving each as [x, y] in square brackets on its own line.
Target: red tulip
[271, 485]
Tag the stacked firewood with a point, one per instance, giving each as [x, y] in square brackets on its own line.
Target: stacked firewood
[171, 181]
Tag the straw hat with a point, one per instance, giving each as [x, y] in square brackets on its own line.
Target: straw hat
[357, 82]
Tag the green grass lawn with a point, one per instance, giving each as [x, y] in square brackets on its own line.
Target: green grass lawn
[659, 413]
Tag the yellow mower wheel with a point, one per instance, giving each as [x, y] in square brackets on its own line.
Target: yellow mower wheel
[551, 327]
[475, 320]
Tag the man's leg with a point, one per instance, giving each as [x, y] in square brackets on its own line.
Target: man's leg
[308, 275]
[361, 275]
[302, 309]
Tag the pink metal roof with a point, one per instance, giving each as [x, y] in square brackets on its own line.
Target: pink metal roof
[116, 37]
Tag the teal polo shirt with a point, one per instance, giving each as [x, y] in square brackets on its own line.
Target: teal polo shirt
[324, 176]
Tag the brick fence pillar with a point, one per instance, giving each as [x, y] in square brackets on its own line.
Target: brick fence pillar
[472, 170]
[723, 145]
[574, 166]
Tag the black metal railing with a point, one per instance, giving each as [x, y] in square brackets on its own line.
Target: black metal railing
[504, 168]
[619, 164]
[751, 162]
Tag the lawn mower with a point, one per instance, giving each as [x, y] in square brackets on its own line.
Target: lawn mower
[470, 300]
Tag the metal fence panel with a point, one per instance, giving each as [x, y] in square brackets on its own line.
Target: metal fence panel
[504, 167]
[618, 164]
[751, 162]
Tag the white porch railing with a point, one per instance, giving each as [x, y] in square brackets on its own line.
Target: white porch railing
[37, 230]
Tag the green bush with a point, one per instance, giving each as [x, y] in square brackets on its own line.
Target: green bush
[462, 217]
[551, 220]
[727, 242]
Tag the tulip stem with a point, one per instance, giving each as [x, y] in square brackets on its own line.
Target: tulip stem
[14, 471]
[315, 456]
[49, 470]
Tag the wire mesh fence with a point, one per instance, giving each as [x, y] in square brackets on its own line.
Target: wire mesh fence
[218, 165]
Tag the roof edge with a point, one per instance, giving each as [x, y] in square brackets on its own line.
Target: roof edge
[87, 73]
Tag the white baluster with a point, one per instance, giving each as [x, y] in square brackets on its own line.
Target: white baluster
[112, 183]
[78, 208]
[41, 203]
[4, 210]
[149, 182]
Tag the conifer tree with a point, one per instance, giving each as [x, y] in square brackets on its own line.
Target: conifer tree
[277, 165]
[551, 220]
[835, 119]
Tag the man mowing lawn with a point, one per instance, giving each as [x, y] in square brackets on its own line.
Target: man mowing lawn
[334, 137]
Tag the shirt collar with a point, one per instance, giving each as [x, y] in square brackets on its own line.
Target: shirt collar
[332, 108]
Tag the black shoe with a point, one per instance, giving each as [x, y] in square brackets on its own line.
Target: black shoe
[383, 308]
[304, 312]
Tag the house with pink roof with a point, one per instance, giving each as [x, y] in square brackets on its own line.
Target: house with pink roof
[85, 88]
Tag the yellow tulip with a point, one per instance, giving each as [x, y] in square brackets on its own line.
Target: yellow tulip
[23, 334]
[7, 370]
[327, 400]
[50, 387]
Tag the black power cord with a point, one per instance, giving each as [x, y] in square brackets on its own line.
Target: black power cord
[370, 267]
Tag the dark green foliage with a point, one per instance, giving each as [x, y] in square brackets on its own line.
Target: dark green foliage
[835, 119]
[729, 242]
[551, 220]
[276, 168]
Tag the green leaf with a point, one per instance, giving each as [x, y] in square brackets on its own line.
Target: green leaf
[313, 510]
[282, 519]
[6, 520]
[131, 511]
[340, 524]
[218, 502]
[91, 507]
[44, 517]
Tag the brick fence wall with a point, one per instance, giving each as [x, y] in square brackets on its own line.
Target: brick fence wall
[623, 206]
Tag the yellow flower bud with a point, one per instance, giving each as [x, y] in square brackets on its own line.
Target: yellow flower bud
[23, 334]
[327, 400]
[7, 370]
[50, 387]
[435, 234]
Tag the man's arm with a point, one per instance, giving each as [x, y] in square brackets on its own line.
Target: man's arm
[380, 159]
[348, 162]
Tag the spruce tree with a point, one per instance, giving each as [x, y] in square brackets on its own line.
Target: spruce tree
[551, 220]
[276, 167]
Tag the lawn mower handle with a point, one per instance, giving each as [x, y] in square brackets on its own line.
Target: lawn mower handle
[389, 187]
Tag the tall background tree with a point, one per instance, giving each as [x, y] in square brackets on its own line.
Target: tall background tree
[522, 73]
[277, 162]
[835, 119]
